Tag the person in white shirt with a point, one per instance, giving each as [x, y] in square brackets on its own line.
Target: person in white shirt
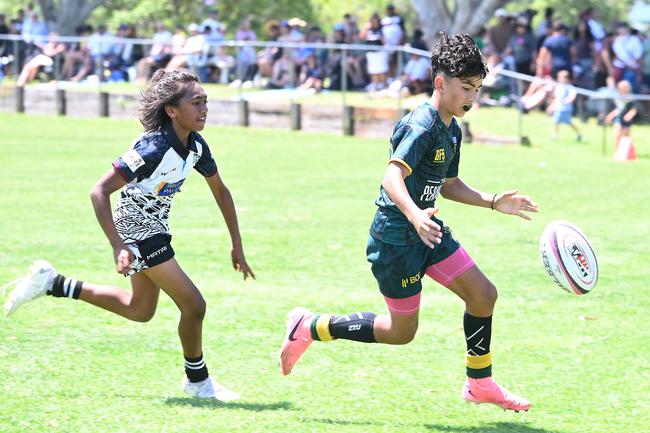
[628, 51]
[392, 28]
[159, 54]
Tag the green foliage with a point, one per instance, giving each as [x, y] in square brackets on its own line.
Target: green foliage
[609, 11]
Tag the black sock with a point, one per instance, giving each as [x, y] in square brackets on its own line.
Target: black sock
[355, 326]
[64, 287]
[478, 332]
[195, 369]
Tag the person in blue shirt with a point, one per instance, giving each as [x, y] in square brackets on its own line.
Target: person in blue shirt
[407, 241]
[564, 94]
[149, 175]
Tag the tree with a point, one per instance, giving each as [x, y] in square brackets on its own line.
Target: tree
[466, 16]
[66, 15]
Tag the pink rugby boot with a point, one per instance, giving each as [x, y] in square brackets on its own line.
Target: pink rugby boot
[297, 340]
[486, 390]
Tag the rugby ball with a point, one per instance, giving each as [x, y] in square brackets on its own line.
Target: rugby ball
[568, 257]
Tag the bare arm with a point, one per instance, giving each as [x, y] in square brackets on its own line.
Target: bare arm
[507, 202]
[100, 197]
[394, 185]
[227, 206]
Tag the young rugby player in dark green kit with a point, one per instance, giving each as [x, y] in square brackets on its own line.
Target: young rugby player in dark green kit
[407, 241]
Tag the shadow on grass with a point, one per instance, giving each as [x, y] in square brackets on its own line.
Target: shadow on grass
[495, 427]
[216, 404]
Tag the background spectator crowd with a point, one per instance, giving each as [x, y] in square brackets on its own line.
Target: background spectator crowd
[594, 55]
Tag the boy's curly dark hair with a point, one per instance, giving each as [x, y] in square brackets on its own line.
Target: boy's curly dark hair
[457, 56]
[165, 88]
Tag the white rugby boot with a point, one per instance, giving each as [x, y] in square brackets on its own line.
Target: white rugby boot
[209, 388]
[36, 283]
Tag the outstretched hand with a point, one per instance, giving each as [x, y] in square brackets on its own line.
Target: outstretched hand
[512, 203]
[239, 262]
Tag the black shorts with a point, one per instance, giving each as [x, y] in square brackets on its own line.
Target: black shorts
[150, 252]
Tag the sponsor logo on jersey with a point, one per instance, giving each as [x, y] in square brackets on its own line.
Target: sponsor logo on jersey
[440, 155]
[133, 160]
[165, 173]
[166, 188]
[431, 191]
[411, 280]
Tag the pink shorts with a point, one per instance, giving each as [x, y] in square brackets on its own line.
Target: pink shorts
[443, 272]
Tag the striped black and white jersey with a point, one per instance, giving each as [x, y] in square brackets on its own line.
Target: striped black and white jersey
[155, 168]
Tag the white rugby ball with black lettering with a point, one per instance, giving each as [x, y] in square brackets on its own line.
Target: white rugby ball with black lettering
[568, 257]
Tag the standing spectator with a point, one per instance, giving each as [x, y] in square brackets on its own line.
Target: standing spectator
[217, 28]
[4, 45]
[394, 32]
[562, 106]
[557, 50]
[645, 68]
[546, 25]
[590, 15]
[500, 33]
[34, 29]
[522, 47]
[377, 60]
[350, 28]
[585, 55]
[628, 50]
[4, 30]
[246, 55]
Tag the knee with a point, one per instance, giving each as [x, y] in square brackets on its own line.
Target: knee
[488, 294]
[195, 310]
[405, 336]
[143, 315]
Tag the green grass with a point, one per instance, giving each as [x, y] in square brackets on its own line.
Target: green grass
[305, 202]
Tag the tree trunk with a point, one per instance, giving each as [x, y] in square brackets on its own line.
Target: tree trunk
[467, 16]
[70, 14]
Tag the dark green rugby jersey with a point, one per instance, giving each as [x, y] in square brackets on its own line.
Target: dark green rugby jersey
[431, 152]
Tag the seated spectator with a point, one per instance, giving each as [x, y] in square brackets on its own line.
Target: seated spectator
[417, 74]
[77, 63]
[311, 75]
[220, 67]
[282, 75]
[123, 55]
[45, 57]
[194, 51]
[101, 45]
[159, 54]
[269, 55]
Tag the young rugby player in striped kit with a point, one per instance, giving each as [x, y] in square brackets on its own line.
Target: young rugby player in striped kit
[407, 241]
[173, 108]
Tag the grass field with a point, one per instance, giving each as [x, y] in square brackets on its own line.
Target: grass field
[305, 202]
